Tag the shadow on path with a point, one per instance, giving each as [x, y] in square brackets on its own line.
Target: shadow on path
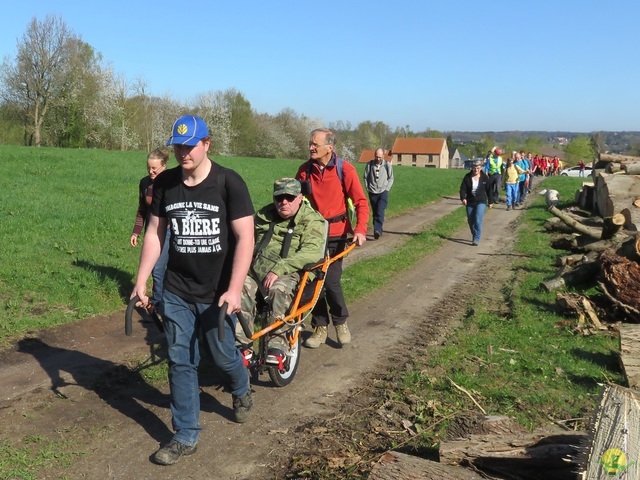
[118, 386]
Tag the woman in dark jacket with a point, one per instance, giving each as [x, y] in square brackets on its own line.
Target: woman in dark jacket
[475, 192]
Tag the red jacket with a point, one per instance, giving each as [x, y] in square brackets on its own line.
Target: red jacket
[327, 195]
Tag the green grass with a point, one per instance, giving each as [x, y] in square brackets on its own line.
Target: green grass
[35, 453]
[521, 360]
[67, 216]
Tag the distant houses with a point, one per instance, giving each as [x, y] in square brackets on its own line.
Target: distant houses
[418, 152]
[458, 160]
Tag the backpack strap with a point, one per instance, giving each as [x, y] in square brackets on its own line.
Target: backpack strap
[340, 173]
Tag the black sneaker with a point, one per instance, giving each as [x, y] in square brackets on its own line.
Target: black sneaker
[242, 407]
[172, 451]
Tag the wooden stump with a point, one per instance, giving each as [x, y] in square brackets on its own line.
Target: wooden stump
[620, 278]
[630, 353]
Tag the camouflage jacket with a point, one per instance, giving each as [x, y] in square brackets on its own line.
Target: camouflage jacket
[307, 243]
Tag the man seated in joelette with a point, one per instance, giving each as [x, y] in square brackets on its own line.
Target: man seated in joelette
[289, 234]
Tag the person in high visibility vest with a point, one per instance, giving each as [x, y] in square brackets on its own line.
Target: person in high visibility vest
[494, 167]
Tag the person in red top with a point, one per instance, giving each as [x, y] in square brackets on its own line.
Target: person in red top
[328, 196]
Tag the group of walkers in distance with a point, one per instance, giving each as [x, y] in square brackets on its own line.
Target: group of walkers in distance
[480, 188]
[205, 246]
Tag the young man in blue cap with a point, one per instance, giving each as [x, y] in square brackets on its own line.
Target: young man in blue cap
[210, 216]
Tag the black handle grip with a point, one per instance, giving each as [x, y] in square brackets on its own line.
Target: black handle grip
[221, 318]
[128, 322]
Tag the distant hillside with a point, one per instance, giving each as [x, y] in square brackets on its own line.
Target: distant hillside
[615, 142]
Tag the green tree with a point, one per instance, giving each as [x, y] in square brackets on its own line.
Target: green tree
[244, 130]
[580, 148]
[533, 144]
[38, 77]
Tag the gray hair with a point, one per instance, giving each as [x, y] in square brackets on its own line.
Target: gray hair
[329, 136]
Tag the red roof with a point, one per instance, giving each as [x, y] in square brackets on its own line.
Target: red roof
[418, 146]
[367, 155]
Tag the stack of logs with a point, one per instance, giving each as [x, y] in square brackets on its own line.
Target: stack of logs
[604, 249]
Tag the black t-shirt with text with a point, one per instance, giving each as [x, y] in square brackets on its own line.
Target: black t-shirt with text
[201, 243]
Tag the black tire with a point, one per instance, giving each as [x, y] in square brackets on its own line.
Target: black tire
[282, 378]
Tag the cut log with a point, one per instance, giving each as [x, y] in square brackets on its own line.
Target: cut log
[615, 193]
[612, 225]
[554, 224]
[585, 196]
[613, 167]
[630, 353]
[465, 425]
[523, 456]
[582, 274]
[577, 226]
[631, 217]
[564, 243]
[630, 248]
[400, 466]
[631, 168]
[617, 157]
[615, 449]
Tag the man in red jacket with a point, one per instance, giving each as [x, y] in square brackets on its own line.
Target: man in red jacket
[328, 196]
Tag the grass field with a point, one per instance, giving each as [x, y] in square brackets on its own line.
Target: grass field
[67, 217]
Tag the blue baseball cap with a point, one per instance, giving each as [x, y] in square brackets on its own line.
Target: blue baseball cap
[188, 130]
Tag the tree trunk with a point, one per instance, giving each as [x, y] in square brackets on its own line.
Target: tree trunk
[521, 456]
[583, 273]
[399, 466]
[577, 226]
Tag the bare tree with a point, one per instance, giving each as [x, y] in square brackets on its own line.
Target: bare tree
[39, 73]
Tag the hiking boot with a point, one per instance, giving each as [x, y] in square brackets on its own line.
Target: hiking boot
[508, 207]
[376, 235]
[343, 333]
[318, 338]
[275, 356]
[172, 451]
[242, 406]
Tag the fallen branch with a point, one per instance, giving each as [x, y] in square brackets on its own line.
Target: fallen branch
[465, 391]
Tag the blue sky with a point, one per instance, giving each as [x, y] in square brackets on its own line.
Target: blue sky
[445, 65]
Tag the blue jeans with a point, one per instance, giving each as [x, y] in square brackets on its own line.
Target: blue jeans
[182, 321]
[158, 274]
[522, 191]
[379, 202]
[512, 194]
[474, 218]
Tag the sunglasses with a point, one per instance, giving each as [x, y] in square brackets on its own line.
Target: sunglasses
[288, 198]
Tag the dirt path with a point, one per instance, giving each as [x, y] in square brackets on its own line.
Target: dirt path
[56, 386]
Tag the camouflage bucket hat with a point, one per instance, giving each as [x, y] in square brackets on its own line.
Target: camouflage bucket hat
[286, 186]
